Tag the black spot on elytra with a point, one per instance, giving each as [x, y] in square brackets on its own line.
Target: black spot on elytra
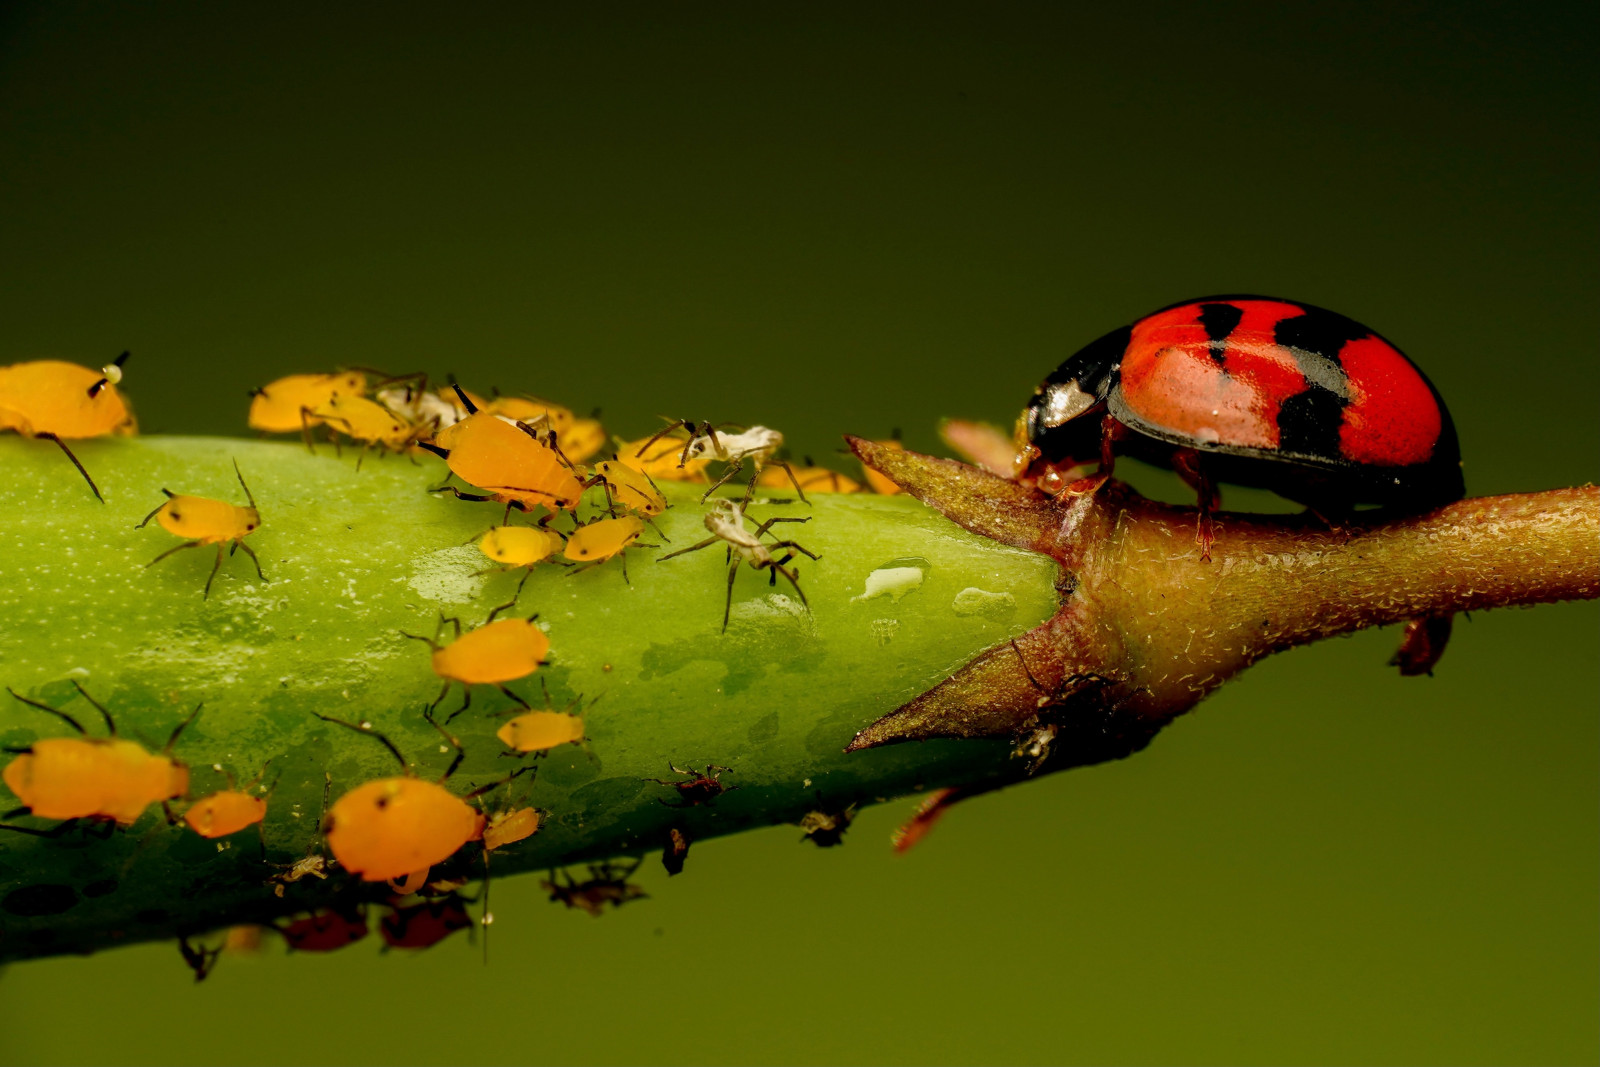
[1220, 320]
[1308, 423]
[43, 899]
[101, 887]
[1319, 331]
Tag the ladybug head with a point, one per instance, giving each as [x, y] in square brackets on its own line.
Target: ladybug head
[1076, 388]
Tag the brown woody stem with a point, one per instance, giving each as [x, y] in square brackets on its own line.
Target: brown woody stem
[1147, 628]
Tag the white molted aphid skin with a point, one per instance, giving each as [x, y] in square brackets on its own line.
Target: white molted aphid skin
[758, 442]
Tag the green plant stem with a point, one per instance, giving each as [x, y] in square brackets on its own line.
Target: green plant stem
[352, 558]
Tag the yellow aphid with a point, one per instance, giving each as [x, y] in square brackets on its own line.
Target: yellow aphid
[288, 404]
[598, 541]
[64, 401]
[809, 479]
[226, 812]
[540, 731]
[582, 439]
[497, 652]
[658, 457]
[879, 482]
[540, 414]
[630, 487]
[203, 521]
[520, 546]
[369, 422]
[509, 827]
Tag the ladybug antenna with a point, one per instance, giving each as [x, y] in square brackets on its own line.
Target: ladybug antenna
[111, 374]
[177, 731]
[111, 727]
[58, 713]
[246, 488]
[472, 409]
[370, 732]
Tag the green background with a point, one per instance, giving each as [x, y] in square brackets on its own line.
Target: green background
[832, 218]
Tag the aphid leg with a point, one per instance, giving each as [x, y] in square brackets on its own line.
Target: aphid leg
[170, 551]
[796, 481]
[306, 426]
[54, 831]
[466, 702]
[369, 731]
[146, 520]
[780, 518]
[253, 559]
[200, 960]
[527, 572]
[796, 545]
[734, 467]
[362, 455]
[794, 580]
[492, 613]
[215, 567]
[63, 446]
[692, 548]
[727, 603]
[448, 736]
[508, 691]
[656, 528]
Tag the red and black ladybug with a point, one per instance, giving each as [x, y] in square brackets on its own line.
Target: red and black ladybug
[1256, 391]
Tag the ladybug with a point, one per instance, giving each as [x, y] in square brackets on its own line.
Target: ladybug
[1256, 391]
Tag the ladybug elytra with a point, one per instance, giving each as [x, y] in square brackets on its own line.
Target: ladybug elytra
[1256, 391]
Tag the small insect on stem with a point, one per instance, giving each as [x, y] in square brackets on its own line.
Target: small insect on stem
[757, 445]
[499, 651]
[203, 521]
[726, 521]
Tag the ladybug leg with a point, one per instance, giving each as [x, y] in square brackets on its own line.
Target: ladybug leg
[1422, 644]
[1186, 462]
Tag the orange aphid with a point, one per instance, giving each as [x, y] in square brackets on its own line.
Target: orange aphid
[497, 652]
[225, 812]
[540, 731]
[879, 482]
[509, 827]
[64, 401]
[84, 777]
[658, 457]
[598, 541]
[369, 422]
[387, 829]
[203, 521]
[631, 487]
[809, 479]
[508, 462]
[288, 405]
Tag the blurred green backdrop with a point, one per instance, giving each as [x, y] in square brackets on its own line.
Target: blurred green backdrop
[859, 217]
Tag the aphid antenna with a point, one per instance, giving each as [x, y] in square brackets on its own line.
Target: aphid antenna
[532, 768]
[57, 712]
[110, 374]
[177, 731]
[461, 753]
[466, 402]
[370, 732]
[430, 642]
[1021, 659]
[242, 485]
